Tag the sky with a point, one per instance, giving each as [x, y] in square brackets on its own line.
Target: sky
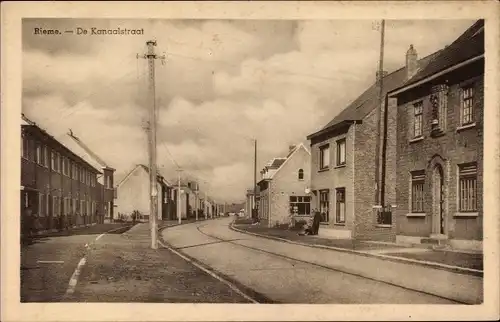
[222, 84]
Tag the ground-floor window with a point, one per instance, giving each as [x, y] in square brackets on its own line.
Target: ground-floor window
[300, 205]
[41, 204]
[467, 187]
[324, 205]
[417, 191]
[340, 206]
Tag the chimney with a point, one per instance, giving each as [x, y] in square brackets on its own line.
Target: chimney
[291, 147]
[411, 62]
[377, 75]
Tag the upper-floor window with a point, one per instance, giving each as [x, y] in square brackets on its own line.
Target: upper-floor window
[53, 160]
[467, 106]
[32, 150]
[301, 174]
[65, 166]
[418, 109]
[82, 175]
[58, 162]
[46, 156]
[340, 206]
[341, 152]
[38, 153]
[467, 189]
[324, 157]
[24, 149]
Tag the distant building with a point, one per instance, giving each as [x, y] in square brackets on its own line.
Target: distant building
[249, 202]
[283, 187]
[440, 147]
[56, 182]
[133, 194]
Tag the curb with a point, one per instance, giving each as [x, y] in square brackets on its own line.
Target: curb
[454, 269]
[242, 290]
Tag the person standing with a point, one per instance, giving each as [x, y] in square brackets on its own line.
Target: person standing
[316, 222]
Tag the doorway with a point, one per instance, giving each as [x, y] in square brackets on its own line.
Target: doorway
[438, 196]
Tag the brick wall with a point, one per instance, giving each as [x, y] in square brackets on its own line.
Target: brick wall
[366, 226]
[449, 150]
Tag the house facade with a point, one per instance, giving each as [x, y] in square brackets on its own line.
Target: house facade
[440, 147]
[133, 194]
[283, 188]
[249, 202]
[56, 183]
[105, 179]
[350, 180]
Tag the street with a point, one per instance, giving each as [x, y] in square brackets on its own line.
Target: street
[48, 264]
[297, 274]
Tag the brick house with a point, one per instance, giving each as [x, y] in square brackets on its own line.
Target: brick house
[106, 179]
[133, 194]
[283, 187]
[344, 162]
[56, 182]
[440, 147]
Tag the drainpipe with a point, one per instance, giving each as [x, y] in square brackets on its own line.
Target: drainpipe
[384, 152]
[269, 205]
[353, 176]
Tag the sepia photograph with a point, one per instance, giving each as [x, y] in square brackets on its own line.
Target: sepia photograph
[250, 161]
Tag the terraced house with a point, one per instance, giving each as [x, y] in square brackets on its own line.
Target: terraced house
[57, 184]
[440, 147]
[345, 163]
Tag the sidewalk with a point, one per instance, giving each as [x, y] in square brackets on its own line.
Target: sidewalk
[453, 260]
[124, 268]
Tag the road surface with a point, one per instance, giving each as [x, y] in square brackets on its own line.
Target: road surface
[287, 273]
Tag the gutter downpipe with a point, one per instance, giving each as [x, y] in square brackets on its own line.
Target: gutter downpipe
[353, 232]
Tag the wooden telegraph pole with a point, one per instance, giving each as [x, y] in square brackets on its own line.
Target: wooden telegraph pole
[153, 206]
[379, 114]
[179, 216]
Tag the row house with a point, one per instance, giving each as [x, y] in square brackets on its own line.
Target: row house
[344, 162]
[283, 188]
[439, 164]
[57, 183]
[133, 195]
[105, 179]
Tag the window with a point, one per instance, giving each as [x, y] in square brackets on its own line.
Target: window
[41, 204]
[38, 153]
[301, 174]
[324, 155]
[82, 174]
[439, 102]
[467, 189]
[417, 119]
[24, 150]
[58, 162]
[300, 205]
[108, 182]
[55, 206]
[46, 156]
[341, 152]
[64, 162]
[75, 205]
[417, 191]
[467, 109]
[324, 205]
[76, 169]
[47, 205]
[82, 207]
[53, 161]
[340, 206]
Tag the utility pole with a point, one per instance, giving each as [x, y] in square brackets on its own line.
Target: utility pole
[205, 210]
[379, 113]
[153, 189]
[196, 202]
[179, 216]
[254, 208]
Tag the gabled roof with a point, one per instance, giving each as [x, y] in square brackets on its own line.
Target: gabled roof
[160, 178]
[290, 156]
[73, 148]
[87, 150]
[368, 100]
[469, 45]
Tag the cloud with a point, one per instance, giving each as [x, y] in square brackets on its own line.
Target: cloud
[223, 84]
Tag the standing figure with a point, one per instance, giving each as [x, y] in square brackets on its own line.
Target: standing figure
[316, 221]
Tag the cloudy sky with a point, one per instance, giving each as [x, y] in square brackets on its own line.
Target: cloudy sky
[222, 84]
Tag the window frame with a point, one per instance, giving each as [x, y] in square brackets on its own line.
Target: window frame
[38, 153]
[46, 156]
[417, 179]
[322, 149]
[300, 174]
[340, 205]
[418, 118]
[323, 202]
[463, 100]
[299, 201]
[341, 147]
[467, 172]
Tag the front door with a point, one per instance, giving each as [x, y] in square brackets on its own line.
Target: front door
[438, 218]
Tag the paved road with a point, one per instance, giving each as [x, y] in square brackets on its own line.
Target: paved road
[297, 274]
[48, 263]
